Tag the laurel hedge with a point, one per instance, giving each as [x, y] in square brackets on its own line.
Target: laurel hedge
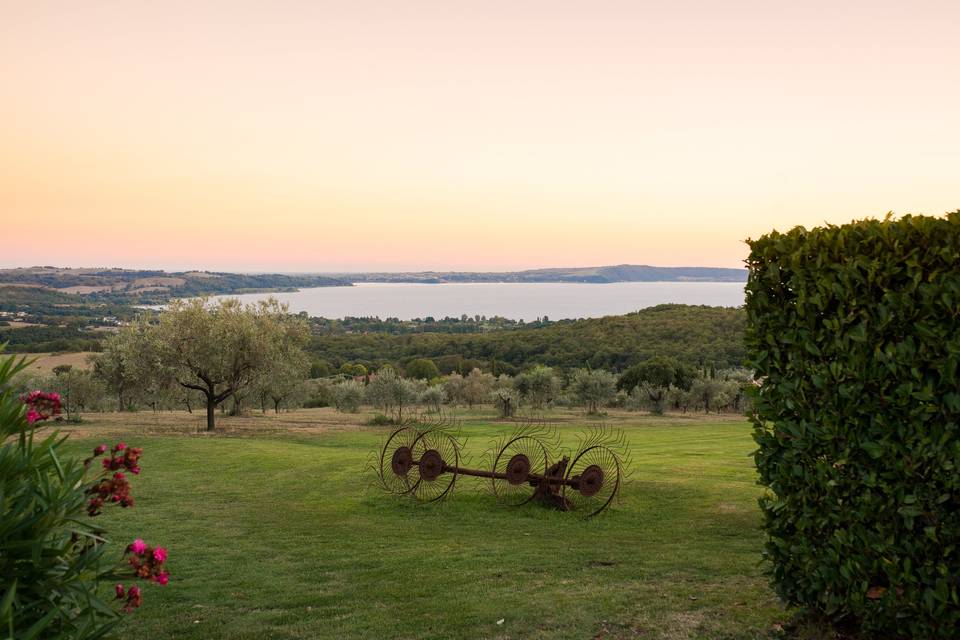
[854, 334]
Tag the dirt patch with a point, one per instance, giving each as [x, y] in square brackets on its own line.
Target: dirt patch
[728, 507]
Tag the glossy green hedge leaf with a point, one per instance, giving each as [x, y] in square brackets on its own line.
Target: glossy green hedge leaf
[855, 330]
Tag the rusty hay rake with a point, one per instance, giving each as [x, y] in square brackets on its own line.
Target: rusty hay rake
[425, 462]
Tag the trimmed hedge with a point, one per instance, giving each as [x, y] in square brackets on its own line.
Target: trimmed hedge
[854, 333]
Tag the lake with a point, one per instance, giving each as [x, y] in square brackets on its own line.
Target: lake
[518, 301]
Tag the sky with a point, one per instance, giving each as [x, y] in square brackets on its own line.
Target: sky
[490, 135]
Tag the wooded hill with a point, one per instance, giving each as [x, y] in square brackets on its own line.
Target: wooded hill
[697, 335]
[155, 287]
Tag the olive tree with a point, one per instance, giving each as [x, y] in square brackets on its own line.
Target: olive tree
[539, 385]
[652, 397]
[506, 401]
[432, 397]
[115, 364]
[477, 386]
[221, 348]
[347, 396]
[593, 388]
[389, 391]
[283, 381]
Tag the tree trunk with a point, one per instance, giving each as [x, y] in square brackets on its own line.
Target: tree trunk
[211, 408]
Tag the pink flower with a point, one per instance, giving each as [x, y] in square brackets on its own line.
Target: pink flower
[121, 446]
[100, 450]
[120, 591]
[138, 546]
[33, 416]
[162, 578]
[160, 555]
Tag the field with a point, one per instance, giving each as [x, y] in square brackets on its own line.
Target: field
[45, 362]
[275, 532]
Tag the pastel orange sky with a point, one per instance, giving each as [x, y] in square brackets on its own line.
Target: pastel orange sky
[396, 135]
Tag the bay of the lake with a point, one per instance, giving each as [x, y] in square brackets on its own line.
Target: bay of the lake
[517, 301]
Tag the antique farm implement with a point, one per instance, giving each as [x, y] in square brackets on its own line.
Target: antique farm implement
[426, 462]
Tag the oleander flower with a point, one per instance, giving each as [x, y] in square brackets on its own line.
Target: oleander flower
[41, 405]
[134, 598]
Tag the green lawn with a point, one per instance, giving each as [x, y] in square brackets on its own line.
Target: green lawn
[283, 536]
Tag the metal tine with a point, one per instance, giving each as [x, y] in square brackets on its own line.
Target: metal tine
[538, 429]
[615, 441]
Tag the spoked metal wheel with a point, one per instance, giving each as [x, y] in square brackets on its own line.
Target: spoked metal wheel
[395, 469]
[517, 459]
[436, 456]
[593, 480]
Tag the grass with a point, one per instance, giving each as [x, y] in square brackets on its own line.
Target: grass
[275, 532]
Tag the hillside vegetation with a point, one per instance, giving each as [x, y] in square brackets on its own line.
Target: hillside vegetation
[146, 287]
[615, 273]
[697, 335]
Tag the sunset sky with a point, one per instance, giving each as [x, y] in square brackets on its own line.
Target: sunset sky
[357, 135]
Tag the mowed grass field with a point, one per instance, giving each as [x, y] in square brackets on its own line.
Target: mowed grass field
[275, 531]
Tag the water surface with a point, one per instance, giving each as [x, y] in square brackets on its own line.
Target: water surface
[515, 300]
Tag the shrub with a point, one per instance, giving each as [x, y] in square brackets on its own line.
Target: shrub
[855, 334]
[379, 420]
[51, 557]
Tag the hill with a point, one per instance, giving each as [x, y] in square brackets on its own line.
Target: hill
[598, 275]
[697, 335]
[147, 287]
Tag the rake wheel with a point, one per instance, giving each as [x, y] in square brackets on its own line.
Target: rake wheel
[593, 479]
[396, 461]
[516, 460]
[435, 459]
